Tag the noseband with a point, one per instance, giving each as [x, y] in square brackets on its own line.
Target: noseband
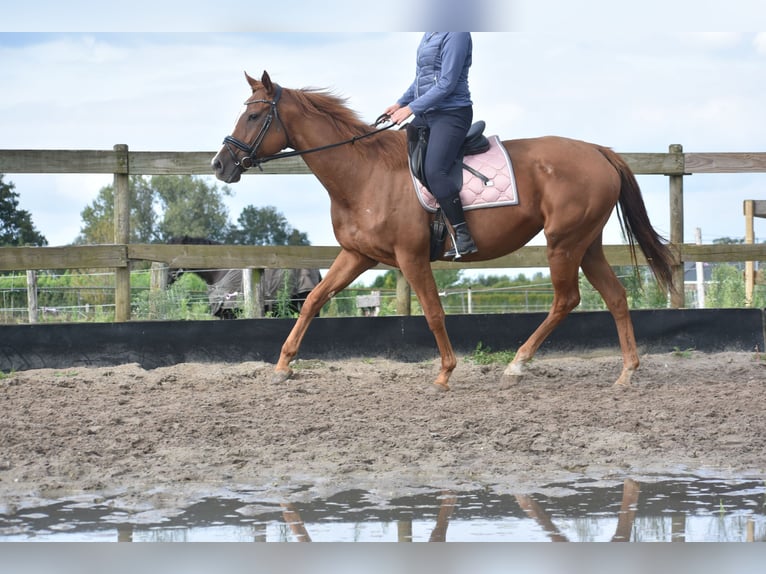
[250, 160]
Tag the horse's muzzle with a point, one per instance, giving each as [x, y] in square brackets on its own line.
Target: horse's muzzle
[225, 170]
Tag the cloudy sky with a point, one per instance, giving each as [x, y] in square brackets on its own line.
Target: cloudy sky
[630, 87]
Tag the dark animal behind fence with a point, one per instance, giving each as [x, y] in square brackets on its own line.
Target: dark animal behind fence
[284, 290]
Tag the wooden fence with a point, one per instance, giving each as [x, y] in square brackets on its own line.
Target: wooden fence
[122, 163]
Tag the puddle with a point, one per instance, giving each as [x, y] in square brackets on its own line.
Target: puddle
[686, 509]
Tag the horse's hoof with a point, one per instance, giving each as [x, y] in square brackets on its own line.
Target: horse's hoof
[439, 388]
[279, 377]
[624, 381]
[508, 381]
[512, 375]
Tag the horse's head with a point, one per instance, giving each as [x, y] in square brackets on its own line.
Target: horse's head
[258, 132]
[174, 275]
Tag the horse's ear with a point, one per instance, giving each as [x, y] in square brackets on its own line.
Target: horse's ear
[266, 81]
[254, 85]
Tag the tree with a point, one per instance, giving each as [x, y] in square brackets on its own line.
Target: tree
[16, 227]
[191, 207]
[167, 206]
[161, 207]
[98, 217]
[265, 226]
[729, 241]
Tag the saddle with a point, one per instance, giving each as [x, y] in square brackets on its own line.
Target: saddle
[417, 143]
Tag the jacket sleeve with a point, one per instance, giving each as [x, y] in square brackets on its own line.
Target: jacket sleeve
[408, 96]
[454, 53]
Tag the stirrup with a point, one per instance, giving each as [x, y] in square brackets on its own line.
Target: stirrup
[454, 253]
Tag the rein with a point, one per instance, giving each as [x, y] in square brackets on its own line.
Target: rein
[250, 160]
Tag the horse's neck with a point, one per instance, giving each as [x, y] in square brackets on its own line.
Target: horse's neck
[340, 169]
[317, 135]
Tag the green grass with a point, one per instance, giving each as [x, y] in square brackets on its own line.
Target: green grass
[307, 364]
[485, 356]
[685, 354]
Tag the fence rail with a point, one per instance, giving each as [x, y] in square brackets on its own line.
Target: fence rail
[294, 257]
[198, 162]
[121, 162]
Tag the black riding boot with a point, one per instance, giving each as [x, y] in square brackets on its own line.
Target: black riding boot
[462, 242]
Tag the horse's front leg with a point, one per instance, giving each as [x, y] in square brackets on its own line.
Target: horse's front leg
[347, 266]
[420, 277]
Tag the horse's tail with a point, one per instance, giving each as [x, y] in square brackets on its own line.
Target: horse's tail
[636, 226]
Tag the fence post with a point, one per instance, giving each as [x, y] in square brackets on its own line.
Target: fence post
[749, 208]
[32, 295]
[677, 299]
[158, 284]
[700, 272]
[253, 291]
[403, 295]
[158, 280]
[121, 233]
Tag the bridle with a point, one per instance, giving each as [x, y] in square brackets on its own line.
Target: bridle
[250, 159]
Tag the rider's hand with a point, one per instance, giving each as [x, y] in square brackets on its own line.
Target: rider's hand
[391, 109]
[400, 114]
[397, 113]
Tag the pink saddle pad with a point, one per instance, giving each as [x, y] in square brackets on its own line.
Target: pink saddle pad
[495, 164]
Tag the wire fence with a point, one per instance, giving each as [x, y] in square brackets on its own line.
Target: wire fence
[89, 297]
[79, 297]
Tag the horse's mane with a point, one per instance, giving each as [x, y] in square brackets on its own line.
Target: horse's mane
[323, 103]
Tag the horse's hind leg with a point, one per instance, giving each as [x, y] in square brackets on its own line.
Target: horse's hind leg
[564, 269]
[602, 277]
[346, 267]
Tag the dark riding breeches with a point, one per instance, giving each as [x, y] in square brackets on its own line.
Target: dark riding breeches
[443, 162]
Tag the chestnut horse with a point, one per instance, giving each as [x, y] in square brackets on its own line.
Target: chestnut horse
[567, 188]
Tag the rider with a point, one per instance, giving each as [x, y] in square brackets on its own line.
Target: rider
[440, 99]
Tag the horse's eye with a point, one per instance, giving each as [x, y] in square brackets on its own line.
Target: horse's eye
[252, 117]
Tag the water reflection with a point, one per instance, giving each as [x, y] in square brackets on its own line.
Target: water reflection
[677, 510]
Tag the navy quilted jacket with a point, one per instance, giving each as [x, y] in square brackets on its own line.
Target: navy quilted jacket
[441, 77]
